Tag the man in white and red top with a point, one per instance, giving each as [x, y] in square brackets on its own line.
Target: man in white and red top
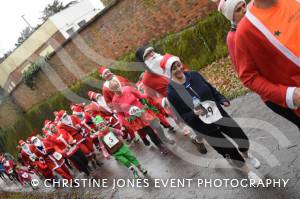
[53, 159]
[268, 54]
[66, 145]
[108, 95]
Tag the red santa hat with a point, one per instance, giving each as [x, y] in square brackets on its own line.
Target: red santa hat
[60, 114]
[77, 109]
[92, 107]
[21, 142]
[93, 95]
[47, 123]
[167, 62]
[102, 70]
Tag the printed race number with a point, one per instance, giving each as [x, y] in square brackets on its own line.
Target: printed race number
[57, 156]
[213, 113]
[135, 111]
[110, 140]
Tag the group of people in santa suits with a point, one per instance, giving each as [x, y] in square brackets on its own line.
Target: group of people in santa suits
[70, 140]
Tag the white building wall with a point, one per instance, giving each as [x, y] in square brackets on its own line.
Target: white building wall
[70, 17]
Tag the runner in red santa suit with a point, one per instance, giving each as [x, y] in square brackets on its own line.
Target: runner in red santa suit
[66, 145]
[107, 75]
[99, 107]
[267, 54]
[72, 124]
[26, 153]
[54, 160]
[87, 123]
[49, 136]
[155, 85]
[41, 167]
[132, 112]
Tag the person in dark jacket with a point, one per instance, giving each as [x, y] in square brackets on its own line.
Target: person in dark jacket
[207, 118]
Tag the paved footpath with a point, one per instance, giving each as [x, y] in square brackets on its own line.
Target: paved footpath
[274, 141]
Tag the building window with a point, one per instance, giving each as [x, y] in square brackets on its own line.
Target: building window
[71, 31]
[81, 23]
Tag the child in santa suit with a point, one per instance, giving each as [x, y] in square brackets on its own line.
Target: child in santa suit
[99, 107]
[132, 112]
[72, 124]
[110, 140]
[53, 159]
[26, 153]
[162, 114]
[66, 145]
[87, 123]
[41, 167]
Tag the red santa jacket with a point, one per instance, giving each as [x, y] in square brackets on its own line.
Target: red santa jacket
[262, 67]
[64, 143]
[48, 153]
[107, 93]
[74, 128]
[42, 168]
[26, 153]
[122, 103]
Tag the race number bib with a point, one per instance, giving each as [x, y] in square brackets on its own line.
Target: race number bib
[57, 156]
[135, 111]
[24, 175]
[213, 113]
[110, 140]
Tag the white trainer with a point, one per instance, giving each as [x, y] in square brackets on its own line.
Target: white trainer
[253, 161]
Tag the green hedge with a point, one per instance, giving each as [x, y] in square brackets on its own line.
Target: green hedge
[197, 46]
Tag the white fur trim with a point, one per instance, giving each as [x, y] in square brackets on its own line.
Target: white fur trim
[275, 42]
[146, 51]
[289, 97]
[104, 71]
[228, 7]
[169, 64]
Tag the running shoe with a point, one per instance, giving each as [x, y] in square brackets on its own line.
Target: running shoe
[146, 142]
[253, 161]
[135, 174]
[144, 171]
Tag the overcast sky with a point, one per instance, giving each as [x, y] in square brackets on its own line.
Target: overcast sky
[11, 22]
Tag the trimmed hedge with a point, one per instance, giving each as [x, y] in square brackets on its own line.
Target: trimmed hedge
[197, 46]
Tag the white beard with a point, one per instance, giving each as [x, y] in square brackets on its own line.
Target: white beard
[38, 143]
[67, 121]
[154, 64]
